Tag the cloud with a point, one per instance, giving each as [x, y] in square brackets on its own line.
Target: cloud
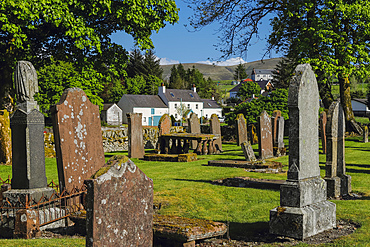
[167, 61]
[229, 62]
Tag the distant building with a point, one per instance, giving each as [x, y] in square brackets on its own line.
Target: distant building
[111, 114]
[359, 107]
[210, 107]
[264, 85]
[262, 74]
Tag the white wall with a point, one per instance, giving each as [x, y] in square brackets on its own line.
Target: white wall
[126, 108]
[207, 112]
[147, 113]
[114, 115]
[193, 106]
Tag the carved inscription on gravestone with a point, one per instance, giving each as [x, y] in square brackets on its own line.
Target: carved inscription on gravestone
[78, 138]
[119, 209]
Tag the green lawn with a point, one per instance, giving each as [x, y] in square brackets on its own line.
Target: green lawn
[185, 189]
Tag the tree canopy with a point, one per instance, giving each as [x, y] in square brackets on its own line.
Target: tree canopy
[240, 72]
[248, 89]
[76, 31]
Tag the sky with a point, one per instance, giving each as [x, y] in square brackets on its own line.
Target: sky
[175, 44]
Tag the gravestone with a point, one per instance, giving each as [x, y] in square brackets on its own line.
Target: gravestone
[164, 127]
[78, 138]
[365, 135]
[241, 130]
[119, 205]
[265, 146]
[5, 138]
[194, 128]
[135, 136]
[248, 151]
[323, 121]
[216, 130]
[274, 118]
[280, 133]
[304, 210]
[27, 132]
[338, 182]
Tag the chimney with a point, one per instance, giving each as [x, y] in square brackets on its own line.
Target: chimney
[213, 97]
[194, 88]
[162, 87]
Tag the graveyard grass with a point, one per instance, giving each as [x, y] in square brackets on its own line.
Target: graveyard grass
[185, 189]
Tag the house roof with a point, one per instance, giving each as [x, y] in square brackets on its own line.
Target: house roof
[209, 103]
[152, 101]
[106, 106]
[262, 71]
[184, 95]
[262, 85]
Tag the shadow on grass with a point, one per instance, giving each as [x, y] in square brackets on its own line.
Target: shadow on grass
[194, 180]
[357, 171]
[358, 165]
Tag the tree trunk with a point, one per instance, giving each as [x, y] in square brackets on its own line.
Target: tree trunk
[345, 100]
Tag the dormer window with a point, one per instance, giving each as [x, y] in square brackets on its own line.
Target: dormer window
[171, 93]
[209, 104]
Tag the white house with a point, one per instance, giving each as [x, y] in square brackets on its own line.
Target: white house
[359, 107]
[262, 74]
[151, 106]
[264, 84]
[173, 98]
[210, 107]
[111, 114]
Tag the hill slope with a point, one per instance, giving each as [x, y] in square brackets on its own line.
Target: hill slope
[219, 73]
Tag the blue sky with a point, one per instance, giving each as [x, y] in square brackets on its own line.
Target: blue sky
[175, 44]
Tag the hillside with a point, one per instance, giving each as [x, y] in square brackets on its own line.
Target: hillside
[220, 73]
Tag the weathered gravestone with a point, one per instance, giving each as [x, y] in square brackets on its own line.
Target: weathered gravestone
[241, 129]
[338, 182]
[194, 128]
[164, 127]
[365, 135]
[135, 136]
[5, 138]
[280, 133]
[78, 138]
[248, 151]
[216, 130]
[119, 205]
[265, 147]
[304, 210]
[27, 125]
[323, 121]
[274, 118]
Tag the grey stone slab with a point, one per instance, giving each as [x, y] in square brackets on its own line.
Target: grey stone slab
[194, 128]
[280, 132]
[248, 151]
[216, 130]
[241, 128]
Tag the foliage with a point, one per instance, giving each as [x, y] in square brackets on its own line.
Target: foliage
[276, 100]
[248, 89]
[182, 110]
[283, 73]
[240, 72]
[56, 76]
[75, 31]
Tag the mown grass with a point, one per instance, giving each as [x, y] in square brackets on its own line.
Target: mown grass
[185, 189]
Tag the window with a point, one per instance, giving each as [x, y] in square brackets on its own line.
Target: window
[171, 93]
[188, 106]
[196, 106]
[153, 111]
[191, 95]
[175, 115]
[209, 104]
[175, 105]
[144, 119]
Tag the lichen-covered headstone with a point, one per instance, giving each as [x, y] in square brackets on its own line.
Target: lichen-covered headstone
[78, 138]
[323, 121]
[248, 151]
[304, 210]
[274, 118]
[338, 182]
[241, 128]
[194, 128]
[265, 146]
[365, 135]
[5, 139]
[216, 130]
[135, 136]
[119, 205]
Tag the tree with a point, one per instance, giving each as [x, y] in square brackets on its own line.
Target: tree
[76, 31]
[330, 35]
[240, 72]
[247, 90]
[283, 73]
[152, 64]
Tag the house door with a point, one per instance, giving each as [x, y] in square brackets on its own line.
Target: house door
[156, 120]
[150, 121]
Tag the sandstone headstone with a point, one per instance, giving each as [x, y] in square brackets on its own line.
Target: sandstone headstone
[194, 128]
[135, 136]
[274, 118]
[304, 210]
[5, 138]
[248, 151]
[241, 134]
[338, 182]
[265, 146]
[164, 125]
[323, 120]
[78, 138]
[365, 137]
[216, 130]
[119, 210]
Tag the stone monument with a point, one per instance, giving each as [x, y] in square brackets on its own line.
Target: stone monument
[135, 136]
[241, 129]
[304, 210]
[119, 205]
[265, 147]
[216, 130]
[27, 125]
[248, 151]
[365, 135]
[323, 121]
[194, 128]
[274, 118]
[338, 182]
[78, 138]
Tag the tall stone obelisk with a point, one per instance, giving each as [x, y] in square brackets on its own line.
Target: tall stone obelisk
[27, 125]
